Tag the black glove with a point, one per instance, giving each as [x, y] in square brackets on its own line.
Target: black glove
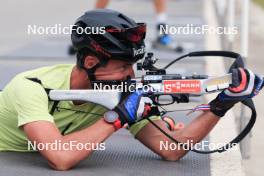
[245, 84]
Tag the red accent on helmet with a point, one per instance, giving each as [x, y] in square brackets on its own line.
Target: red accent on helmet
[135, 34]
[99, 49]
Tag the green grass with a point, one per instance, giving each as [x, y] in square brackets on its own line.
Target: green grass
[260, 2]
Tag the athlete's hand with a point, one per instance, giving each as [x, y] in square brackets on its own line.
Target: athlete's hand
[131, 107]
[245, 85]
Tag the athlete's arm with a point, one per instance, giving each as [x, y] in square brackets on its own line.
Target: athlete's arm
[30, 101]
[47, 132]
[152, 138]
[246, 85]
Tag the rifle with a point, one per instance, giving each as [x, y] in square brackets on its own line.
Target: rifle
[175, 87]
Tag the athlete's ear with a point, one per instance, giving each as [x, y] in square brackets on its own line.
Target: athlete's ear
[90, 61]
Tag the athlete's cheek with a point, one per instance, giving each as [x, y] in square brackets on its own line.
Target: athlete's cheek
[117, 74]
[127, 71]
[114, 76]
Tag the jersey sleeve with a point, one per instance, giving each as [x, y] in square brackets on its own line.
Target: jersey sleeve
[135, 128]
[30, 102]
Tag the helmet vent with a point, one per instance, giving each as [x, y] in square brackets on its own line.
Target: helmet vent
[125, 18]
[125, 26]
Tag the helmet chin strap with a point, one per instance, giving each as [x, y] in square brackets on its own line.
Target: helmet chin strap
[91, 72]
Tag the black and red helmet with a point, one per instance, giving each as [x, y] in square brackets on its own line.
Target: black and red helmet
[119, 37]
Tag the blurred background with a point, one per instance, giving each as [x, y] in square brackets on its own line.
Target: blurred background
[20, 51]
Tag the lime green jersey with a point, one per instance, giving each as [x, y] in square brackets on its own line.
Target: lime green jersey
[23, 101]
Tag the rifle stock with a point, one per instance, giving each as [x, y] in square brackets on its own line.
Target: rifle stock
[106, 98]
